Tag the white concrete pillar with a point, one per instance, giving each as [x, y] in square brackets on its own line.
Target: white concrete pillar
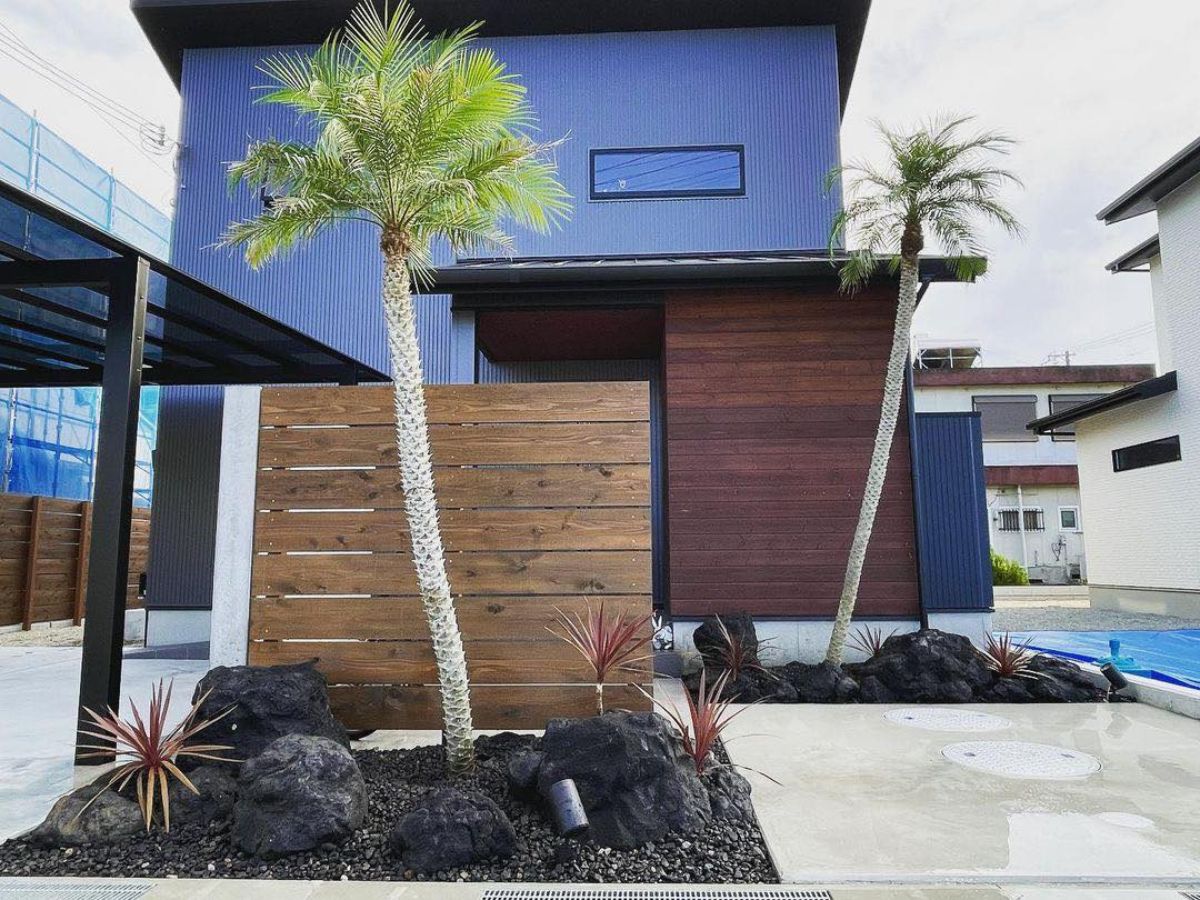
[234, 550]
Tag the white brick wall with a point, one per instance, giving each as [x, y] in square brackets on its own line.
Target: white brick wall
[1143, 526]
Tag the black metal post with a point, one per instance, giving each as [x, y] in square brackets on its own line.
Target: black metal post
[108, 567]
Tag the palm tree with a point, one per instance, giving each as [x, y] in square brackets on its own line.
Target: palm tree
[936, 182]
[425, 139]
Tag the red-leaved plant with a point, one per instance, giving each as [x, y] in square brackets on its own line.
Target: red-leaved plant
[609, 643]
[708, 715]
[733, 654]
[150, 750]
[1007, 657]
[869, 640]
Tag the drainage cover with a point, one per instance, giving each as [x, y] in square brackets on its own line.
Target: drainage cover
[58, 889]
[1022, 759]
[940, 718]
[648, 893]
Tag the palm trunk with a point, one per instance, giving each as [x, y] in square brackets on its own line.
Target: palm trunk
[893, 391]
[420, 507]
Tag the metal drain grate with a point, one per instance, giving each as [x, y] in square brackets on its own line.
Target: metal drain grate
[939, 718]
[638, 893]
[1022, 759]
[58, 889]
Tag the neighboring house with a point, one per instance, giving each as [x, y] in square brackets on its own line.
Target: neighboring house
[1138, 472]
[49, 435]
[698, 138]
[1034, 513]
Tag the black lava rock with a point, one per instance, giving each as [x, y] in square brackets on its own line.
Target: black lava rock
[710, 643]
[728, 794]
[522, 772]
[214, 803]
[299, 793]
[633, 777]
[1059, 681]
[822, 683]
[109, 819]
[751, 686]
[926, 665]
[450, 829]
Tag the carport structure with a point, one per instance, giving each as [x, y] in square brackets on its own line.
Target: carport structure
[79, 307]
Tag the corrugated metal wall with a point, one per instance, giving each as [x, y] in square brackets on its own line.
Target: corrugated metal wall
[956, 572]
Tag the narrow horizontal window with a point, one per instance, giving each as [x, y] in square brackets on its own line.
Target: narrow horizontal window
[1151, 453]
[1004, 418]
[1060, 403]
[668, 172]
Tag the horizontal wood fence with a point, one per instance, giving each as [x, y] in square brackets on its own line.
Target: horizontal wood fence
[44, 545]
[544, 498]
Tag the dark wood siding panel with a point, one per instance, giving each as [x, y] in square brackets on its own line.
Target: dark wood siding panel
[772, 400]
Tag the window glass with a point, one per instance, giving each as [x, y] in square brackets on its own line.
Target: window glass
[1060, 403]
[1151, 453]
[1068, 518]
[665, 172]
[1034, 519]
[1005, 418]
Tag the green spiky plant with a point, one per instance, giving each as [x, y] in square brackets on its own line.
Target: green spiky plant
[938, 183]
[425, 139]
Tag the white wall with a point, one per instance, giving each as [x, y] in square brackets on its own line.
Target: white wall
[1144, 525]
[1052, 547]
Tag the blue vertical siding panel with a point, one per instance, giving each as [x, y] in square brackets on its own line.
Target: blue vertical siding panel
[956, 572]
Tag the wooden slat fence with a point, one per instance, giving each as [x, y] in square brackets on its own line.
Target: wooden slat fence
[544, 496]
[44, 544]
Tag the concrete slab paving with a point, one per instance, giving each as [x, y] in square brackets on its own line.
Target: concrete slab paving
[863, 799]
[39, 687]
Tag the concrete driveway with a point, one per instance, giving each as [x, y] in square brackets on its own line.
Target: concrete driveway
[867, 799]
[39, 687]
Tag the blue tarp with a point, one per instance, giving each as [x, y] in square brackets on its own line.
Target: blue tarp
[1172, 656]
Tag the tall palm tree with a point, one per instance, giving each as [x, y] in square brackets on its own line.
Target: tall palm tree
[936, 182]
[425, 139]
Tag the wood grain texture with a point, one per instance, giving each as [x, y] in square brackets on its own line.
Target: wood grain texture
[772, 400]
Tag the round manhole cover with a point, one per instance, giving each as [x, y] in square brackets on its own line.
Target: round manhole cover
[940, 718]
[1021, 759]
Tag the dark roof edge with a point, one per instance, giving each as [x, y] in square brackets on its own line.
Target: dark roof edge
[1033, 375]
[1133, 259]
[1143, 390]
[175, 25]
[1143, 196]
[673, 271]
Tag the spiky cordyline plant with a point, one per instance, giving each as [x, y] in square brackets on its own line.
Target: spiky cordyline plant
[707, 717]
[422, 139]
[150, 750]
[869, 640]
[609, 643]
[936, 182]
[1007, 657]
[733, 655]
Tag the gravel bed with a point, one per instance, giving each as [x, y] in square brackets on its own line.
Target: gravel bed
[721, 853]
[1060, 618]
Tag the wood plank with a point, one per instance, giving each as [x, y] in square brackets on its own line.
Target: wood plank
[492, 707]
[391, 574]
[476, 529]
[620, 401]
[37, 509]
[460, 445]
[540, 486]
[377, 618]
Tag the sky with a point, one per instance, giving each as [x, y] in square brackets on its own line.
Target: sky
[1096, 92]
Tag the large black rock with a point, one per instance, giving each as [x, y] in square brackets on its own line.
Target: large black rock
[218, 790]
[109, 819]
[633, 777]
[711, 644]
[299, 793]
[751, 686]
[728, 794]
[820, 683]
[1047, 680]
[449, 829]
[925, 665]
[268, 702]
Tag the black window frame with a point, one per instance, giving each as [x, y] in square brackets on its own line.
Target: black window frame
[1168, 443]
[1026, 436]
[676, 194]
[1067, 432]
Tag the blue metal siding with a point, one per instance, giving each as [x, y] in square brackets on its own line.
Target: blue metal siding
[956, 572]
